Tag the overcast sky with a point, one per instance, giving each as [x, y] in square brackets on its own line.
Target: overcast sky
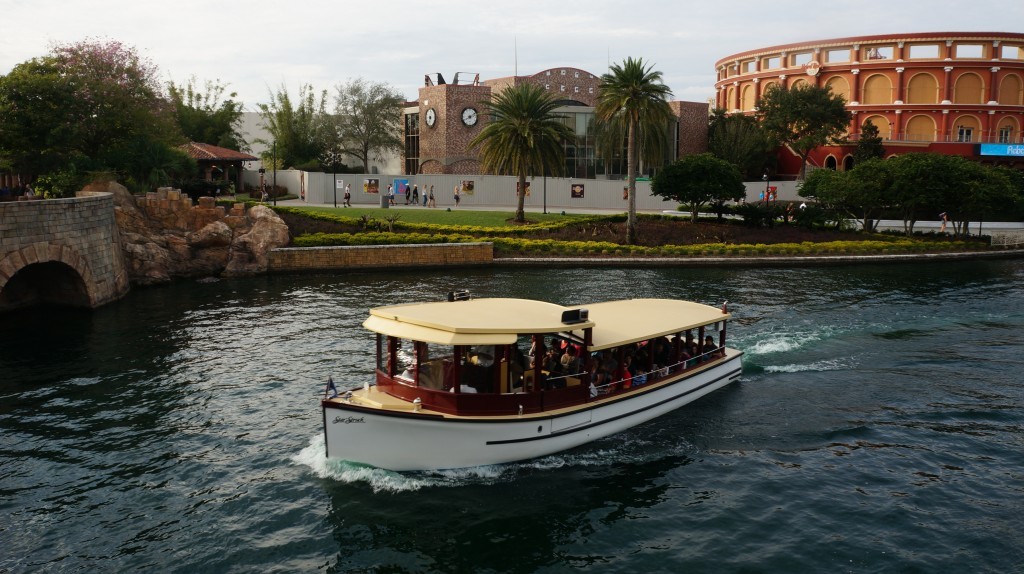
[256, 46]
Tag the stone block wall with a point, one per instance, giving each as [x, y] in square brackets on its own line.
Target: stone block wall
[79, 232]
[380, 257]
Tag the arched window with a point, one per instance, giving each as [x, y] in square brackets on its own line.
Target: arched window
[839, 87]
[923, 89]
[799, 82]
[877, 90]
[830, 162]
[747, 98]
[968, 90]
[920, 128]
[1008, 131]
[966, 129]
[1010, 91]
[848, 163]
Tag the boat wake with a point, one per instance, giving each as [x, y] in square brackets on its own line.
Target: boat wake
[621, 448]
[784, 343]
[837, 364]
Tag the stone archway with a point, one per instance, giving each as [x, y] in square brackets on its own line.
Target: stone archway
[45, 273]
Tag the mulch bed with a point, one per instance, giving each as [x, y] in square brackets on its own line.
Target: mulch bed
[651, 232]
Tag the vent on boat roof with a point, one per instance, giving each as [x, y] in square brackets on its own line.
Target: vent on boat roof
[575, 316]
[459, 296]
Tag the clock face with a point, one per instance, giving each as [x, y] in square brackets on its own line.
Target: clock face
[469, 116]
[431, 117]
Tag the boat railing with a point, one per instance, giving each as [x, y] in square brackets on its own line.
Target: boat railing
[642, 378]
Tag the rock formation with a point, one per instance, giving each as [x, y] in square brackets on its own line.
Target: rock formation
[164, 236]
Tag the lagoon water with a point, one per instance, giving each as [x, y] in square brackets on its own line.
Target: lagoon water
[878, 427]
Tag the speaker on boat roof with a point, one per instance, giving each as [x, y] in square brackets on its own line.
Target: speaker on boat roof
[575, 316]
[458, 295]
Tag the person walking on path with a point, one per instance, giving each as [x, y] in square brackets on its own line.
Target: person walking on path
[944, 218]
[431, 202]
[424, 196]
[348, 195]
[391, 195]
[457, 196]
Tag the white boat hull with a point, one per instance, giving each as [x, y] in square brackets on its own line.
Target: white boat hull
[403, 441]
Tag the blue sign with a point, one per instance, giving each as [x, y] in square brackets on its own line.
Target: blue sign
[1005, 150]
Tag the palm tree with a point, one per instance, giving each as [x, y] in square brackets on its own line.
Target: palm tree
[523, 137]
[633, 97]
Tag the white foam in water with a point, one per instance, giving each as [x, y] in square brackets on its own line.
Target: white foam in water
[623, 449]
[827, 365]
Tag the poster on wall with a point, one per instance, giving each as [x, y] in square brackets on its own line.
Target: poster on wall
[467, 186]
[339, 184]
[371, 186]
[527, 189]
[577, 191]
[401, 186]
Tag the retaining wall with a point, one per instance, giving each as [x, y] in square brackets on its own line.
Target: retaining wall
[293, 259]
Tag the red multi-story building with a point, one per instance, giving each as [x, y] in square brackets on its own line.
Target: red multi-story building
[955, 93]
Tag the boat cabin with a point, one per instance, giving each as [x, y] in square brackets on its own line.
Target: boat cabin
[512, 356]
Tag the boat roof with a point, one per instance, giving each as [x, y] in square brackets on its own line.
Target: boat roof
[500, 321]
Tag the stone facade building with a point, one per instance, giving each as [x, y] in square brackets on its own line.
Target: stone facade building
[955, 93]
[449, 114]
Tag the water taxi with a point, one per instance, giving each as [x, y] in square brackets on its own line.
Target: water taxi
[468, 382]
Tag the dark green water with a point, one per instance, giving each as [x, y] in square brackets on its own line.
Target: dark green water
[879, 427]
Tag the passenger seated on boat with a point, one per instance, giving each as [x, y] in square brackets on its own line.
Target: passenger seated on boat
[407, 373]
[710, 347]
[627, 376]
[464, 389]
[570, 361]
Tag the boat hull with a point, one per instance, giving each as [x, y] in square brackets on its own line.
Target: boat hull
[405, 441]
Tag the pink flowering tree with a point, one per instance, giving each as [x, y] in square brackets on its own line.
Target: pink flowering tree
[85, 107]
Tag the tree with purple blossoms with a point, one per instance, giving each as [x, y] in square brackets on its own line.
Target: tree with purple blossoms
[87, 107]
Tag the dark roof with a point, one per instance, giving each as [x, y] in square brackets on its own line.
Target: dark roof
[207, 152]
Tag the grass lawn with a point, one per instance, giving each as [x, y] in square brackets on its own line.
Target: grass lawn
[440, 215]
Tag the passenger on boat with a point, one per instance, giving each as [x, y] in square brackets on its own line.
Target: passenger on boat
[627, 376]
[570, 360]
[710, 347]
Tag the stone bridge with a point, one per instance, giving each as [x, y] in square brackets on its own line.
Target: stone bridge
[60, 251]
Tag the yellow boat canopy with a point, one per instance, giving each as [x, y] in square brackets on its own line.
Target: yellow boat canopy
[500, 321]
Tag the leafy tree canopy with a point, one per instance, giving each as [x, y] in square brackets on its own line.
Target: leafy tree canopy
[366, 122]
[869, 146]
[739, 140]
[803, 117]
[696, 180]
[204, 116]
[87, 106]
[297, 128]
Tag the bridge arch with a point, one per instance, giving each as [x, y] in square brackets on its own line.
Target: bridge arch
[46, 273]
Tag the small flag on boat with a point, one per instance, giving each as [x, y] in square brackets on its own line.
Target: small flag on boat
[331, 389]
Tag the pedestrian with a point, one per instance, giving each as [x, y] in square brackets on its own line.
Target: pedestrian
[348, 195]
[424, 196]
[431, 202]
[391, 195]
[415, 194]
[457, 196]
[944, 218]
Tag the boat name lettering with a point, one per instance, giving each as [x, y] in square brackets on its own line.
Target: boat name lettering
[348, 420]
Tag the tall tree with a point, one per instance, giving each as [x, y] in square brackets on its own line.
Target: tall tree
[86, 106]
[739, 140]
[633, 97]
[368, 118]
[698, 179]
[869, 146]
[297, 129]
[803, 117]
[523, 137]
[204, 117]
